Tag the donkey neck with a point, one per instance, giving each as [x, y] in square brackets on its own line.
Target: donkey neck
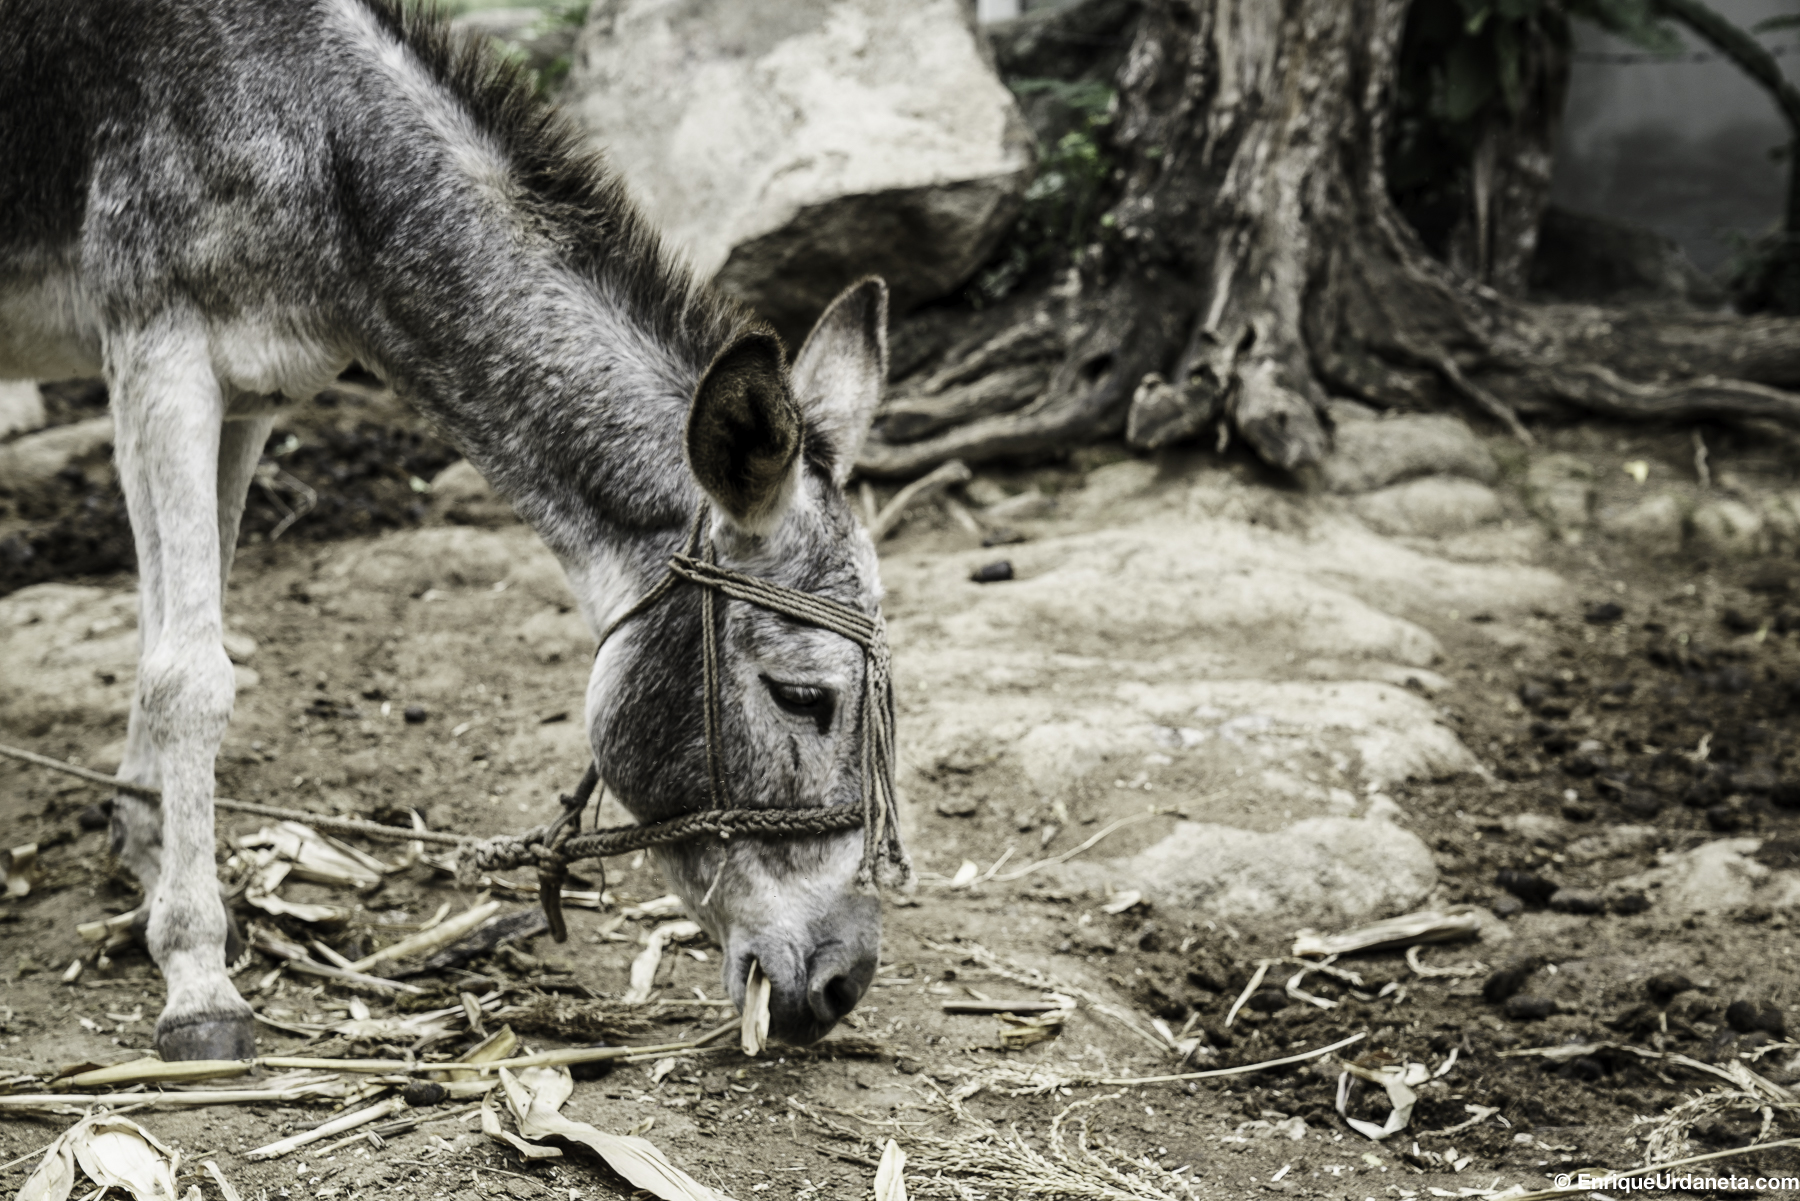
[561, 388]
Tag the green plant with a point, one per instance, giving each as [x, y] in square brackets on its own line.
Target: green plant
[1060, 212]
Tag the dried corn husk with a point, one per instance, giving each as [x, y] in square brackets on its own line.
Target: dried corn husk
[104, 930]
[154, 1071]
[315, 857]
[490, 1126]
[665, 906]
[536, 1094]
[1121, 901]
[643, 968]
[426, 941]
[492, 1049]
[1452, 925]
[757, 993]
[226, 1188]
[1020, 1031]
[349, 1121]
[113, 1153]
[18, 867]
[1398, 1080]
[890, 1178]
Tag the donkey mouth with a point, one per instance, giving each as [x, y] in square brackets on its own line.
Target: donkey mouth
[809, 996]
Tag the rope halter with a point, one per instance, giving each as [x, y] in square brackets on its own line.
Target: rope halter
[884, 859]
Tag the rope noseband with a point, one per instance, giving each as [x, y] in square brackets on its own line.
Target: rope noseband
[884, 859]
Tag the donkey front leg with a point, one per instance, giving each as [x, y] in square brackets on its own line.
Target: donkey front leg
[168, 409]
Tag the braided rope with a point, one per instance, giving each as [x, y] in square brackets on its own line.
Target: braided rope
[512, 850]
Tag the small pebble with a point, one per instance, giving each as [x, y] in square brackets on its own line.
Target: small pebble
[1640, 804]
[1578, 811]
[1604, 614]
[958, 806]
[1509, 980]
[1578, 900]
[423, 1093]
[1583, 1068]
[1666, 986]
[1532, 695]
[1268, 1000]
[1630, 903]
[1529, 887]
[97, 816]
[1507, 906]
[993, 573]
[1529, 1009]
[415, 715]
[1746, 1016]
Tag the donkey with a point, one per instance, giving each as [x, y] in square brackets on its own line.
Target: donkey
[221, 205]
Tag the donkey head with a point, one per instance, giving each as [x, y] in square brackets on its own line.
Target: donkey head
[771, 449]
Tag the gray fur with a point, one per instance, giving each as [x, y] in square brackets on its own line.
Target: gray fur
[215, 201]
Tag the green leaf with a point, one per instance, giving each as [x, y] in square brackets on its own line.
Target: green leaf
[1468, 81]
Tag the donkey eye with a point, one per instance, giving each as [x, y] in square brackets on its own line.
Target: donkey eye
[804, 700]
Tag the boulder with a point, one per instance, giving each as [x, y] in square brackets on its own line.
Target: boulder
[1433, 506]
[21, 407]
[790, 147]
[1369, 454]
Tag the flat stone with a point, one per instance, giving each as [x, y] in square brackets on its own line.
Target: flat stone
[1653, 524]
[1373, 454]
[1321, 872]
[1717, 877]
[1728, 528]
[1433, 506]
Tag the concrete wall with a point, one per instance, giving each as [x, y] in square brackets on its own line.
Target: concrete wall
[1680, 146]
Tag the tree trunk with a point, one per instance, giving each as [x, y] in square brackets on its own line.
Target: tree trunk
[1509, 177]
[1254, 264]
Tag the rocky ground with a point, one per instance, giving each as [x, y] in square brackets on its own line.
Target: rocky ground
[1557, 684]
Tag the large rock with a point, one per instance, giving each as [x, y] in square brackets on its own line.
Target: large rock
[790, 147]
[21, 407]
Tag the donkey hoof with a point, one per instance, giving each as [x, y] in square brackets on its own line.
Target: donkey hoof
[206, 1036]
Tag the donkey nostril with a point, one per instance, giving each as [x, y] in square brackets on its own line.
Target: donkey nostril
[837, 997]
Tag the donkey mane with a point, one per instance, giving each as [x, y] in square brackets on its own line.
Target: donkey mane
[565, 188]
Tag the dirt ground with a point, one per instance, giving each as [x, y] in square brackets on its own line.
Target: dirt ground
[1652, 714]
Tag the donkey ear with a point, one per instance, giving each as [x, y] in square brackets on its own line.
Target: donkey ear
[839, 372]
[744, 433]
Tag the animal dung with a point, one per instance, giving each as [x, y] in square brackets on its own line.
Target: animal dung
[756, 1010]
[421, 1094]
